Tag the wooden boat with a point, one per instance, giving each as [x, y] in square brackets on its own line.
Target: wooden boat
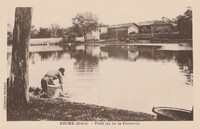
[172, 114]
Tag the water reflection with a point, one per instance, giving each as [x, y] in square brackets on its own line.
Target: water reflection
[84, 61]
[87, 57]
[54, 55]
[118, 76]
[185, 62]
[118, 52]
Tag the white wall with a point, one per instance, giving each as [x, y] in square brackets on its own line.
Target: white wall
[81, 39]
[93, 35]
[45, 40]
[96, 34]
[133, 28]
[103, 30]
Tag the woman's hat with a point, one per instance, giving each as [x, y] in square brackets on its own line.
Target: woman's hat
[62, 70]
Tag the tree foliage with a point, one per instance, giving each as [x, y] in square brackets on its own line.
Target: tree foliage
[44, 33]
[172, 21]
[184, 23]
[9, 32]
[84, 23]
[54, 30]
[34, 32]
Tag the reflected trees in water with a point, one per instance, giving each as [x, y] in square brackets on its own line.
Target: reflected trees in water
[185, 63]
[86, 59]
[56, 55]
[84, 62]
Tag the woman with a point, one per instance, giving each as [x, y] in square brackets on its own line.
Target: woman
[50, 77]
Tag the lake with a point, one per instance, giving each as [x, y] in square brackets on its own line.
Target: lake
[135, 78]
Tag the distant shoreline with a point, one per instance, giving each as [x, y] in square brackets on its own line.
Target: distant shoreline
[59, 41]
[161, 46]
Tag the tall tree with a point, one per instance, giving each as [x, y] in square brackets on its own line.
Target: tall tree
[19, 79]
[184, 23]
[54, 30]
[167, 20]
[34, 32]
[44, 33]
[85, 23]
[172, 21]
[9, 32]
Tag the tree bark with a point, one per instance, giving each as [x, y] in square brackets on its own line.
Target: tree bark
[19, 79]
[84, 36]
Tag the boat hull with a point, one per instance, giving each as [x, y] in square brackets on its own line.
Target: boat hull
[172, 114]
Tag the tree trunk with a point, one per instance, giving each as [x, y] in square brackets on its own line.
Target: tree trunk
[19, 80]
[84, 36]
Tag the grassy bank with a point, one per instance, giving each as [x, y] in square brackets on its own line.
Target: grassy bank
[60, 109]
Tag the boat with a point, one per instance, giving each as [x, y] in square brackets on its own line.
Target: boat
[173, 114]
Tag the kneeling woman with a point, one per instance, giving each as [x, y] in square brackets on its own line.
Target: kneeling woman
[50, 77]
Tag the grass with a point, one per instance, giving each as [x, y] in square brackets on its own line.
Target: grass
[60, 109]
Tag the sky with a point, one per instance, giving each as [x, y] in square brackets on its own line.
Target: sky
[109, 12]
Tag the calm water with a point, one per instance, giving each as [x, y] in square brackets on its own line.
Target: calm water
[125, 77]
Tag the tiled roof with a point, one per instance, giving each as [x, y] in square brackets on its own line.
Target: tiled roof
[103, 25]
[154, 22]
[122, 25]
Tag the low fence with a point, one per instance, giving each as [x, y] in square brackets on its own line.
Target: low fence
[173, 35]
[148, 36]
[42, 41]
[139, 36]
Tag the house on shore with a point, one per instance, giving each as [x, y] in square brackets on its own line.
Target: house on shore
[129, 31]
[154, 27]
[95, 35]
[121, 31]
[151, 29]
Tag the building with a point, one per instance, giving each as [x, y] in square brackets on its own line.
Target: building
[103, 29]
[154, 27]
[121, 31]
[95, 35]
[79, 39]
